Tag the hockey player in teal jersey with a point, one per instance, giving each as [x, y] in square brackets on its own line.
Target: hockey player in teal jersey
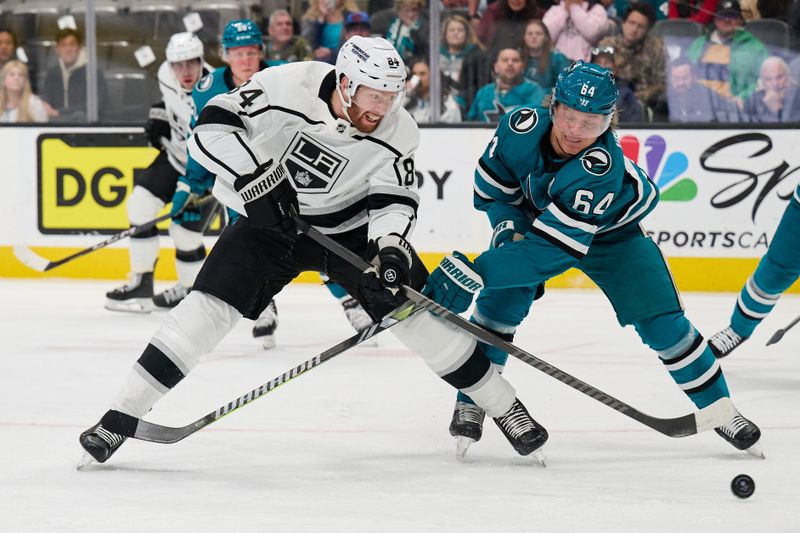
[242, 44]
[559, 193]
[777, 270]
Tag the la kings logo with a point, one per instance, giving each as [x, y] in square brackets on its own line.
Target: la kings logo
[313, 167]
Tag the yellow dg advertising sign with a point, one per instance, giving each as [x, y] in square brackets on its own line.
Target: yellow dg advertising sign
[84, 179]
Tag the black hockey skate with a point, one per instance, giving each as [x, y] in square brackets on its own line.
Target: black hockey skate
[136, 296]
[100, 443]
[265, 326]
[171, 297]
[742, 433]
[467, 421]
[522, 431]
[724, 342]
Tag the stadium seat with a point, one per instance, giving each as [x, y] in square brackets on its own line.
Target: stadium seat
[775, 34]
[677, 34]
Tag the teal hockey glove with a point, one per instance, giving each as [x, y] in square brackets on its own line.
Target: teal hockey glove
[505, 232]
[453, 283]
[180, 200]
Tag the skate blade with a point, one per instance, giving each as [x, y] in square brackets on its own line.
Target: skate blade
[462, 447]
[268, 341]
[756, 451]
[85, 461]
[538, 456]
[130, 306]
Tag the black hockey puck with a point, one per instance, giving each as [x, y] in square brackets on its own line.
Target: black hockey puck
[743, 486]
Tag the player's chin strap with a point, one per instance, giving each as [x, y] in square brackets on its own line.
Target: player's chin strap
[717, 414]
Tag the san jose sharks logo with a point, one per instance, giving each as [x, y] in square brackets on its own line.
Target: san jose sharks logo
[523, 120]
[668, 173]
[596, 161]
[494, 114]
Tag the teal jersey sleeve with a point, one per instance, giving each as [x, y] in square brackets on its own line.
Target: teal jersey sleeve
[570, 201]
[219, 81]
[498, 189]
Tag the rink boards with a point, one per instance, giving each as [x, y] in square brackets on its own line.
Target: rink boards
[722, 195]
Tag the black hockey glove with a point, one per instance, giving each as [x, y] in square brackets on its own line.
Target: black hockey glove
[379, 284]
[157, 126]
[269, 198]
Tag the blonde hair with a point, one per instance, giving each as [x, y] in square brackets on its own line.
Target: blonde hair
[471, 37]
[312, 13]
[23, 110]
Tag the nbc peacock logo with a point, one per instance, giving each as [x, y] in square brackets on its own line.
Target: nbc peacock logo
[666, 173]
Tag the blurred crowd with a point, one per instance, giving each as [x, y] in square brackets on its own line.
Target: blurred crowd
[675, 60]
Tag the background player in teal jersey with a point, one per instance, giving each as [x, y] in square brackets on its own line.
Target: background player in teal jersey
[775, 273]
[559, 193]
[242, 44]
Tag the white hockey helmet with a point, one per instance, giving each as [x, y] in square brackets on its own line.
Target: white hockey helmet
[370, 61]
[183, 46]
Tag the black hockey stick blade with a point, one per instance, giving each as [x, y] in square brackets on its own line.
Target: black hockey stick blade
[717, 414]
[778, 335]
[31, 259]
[151, 432]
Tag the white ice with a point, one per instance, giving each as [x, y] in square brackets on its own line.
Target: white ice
[360, 444]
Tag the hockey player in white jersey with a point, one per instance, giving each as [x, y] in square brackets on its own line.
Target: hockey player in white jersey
[336, 145]
[167, 129]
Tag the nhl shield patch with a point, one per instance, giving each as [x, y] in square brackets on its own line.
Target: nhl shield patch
[313, 167]
[596, 161]
[523, 120]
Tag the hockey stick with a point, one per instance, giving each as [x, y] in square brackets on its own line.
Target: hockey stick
[717, 414]
[778, 335]
[139, 429]
[31, 259]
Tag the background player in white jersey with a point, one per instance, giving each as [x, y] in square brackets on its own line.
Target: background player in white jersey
[167, 129]
[333, 143]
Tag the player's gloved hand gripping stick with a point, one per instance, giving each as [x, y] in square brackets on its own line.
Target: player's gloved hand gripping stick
[31, 259]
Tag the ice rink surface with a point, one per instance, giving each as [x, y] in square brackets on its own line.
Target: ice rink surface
[360, 444]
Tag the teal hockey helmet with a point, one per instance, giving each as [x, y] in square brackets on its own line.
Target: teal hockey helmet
[586, 87]
[241, 32]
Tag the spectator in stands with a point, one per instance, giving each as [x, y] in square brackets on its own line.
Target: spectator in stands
[355, 23]
[323, 24]
[728, 58]
[689, 101]
[417, 98]
[10, 49]
[701, 11]
[639, 56]
[462, 59]
[778, 100]
[8, 46]
[282, 45]
[408, 31]
[543, 63]
[503, 23]
[773, 9]
[65, 82]
[17, 101]
[629, 108]
[576, 26]
[509, 90]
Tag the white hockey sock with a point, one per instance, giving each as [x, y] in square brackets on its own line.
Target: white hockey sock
[144, 253]
[444, 348]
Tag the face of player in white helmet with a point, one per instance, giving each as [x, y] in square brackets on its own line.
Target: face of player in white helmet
[244, 62]
[369, 106]
[188, 72]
